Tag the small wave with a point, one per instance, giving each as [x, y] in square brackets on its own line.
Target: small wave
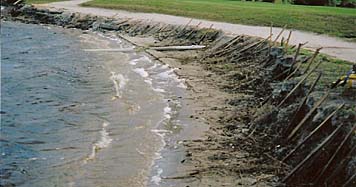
[29, 142]
[165, 66]
[159, 90]
[166, 74]
[154, 66]
[182, 85]
[169, 74]
[104, 142]
[140, 152]
[119, 83]
[112, 38]
[133, 62]
[141, 59]
[161, 131]
[146, 59]
[141, 71]
[156, 179]
[148, 81]
[167, 111]
[105, 138]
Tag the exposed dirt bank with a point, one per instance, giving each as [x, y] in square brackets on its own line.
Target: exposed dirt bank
[269, 125]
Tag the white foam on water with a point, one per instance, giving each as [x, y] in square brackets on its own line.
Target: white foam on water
[156, 179]
[104, 142]
[154, 66]
[159, 90]
[169, 74]
[165, 66]
[161, 134]
[105, 139]
[148, 81]
[166, 74]
[161, 131]
[182, 85]
[167, 111]
[141, 71]
[163, 76]
[112, 38]
[119, 83]
[141, 59]
[133, 62]
[144, 59]
[140, 152]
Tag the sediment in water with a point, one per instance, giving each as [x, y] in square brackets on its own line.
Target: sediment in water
[269, 130]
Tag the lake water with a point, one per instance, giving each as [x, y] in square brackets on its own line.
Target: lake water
[70, 117]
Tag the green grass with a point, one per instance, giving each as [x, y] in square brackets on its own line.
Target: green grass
[41, 1]
[340, 22]
[331, 68]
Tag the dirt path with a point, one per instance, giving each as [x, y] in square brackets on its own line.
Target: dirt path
[331, 46]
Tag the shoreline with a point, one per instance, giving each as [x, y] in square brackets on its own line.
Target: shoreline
[231, 103]
[170, 136]
[173, 127]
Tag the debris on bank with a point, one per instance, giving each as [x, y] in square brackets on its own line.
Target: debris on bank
[293, 129]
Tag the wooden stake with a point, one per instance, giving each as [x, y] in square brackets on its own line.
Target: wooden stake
[313, 132]
[340, 165]
[281, 74]
[223, 46]
[251, 45]
[197, 26]
[282, 41]
[270, 32]
[313, 58]
[270, 40]
[204, 35]
[295, 57]
[299, 83]
[306, 117]
[311, 89]
[294, 61]
[335, 154]
[312, 153]
[280, 33]
[348, 182]
[186, 25]
[289, 36]
[232, 41]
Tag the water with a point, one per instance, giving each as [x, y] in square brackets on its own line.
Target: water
[76, 118]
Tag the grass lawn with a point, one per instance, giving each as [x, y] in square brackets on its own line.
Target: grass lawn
[331, 68]
[334, 21]
[41, 1]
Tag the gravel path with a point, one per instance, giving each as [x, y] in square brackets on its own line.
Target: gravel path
[331, 46]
